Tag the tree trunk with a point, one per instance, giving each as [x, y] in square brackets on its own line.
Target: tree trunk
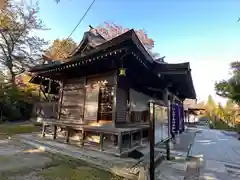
[13, 78]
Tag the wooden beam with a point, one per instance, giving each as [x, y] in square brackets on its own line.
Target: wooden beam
[155, 89]
[173, 72]
[177, 98]
[40, 89]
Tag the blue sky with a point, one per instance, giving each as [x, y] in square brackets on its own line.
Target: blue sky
[203, 32]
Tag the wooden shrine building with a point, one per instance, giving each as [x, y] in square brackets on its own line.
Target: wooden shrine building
[104, 89]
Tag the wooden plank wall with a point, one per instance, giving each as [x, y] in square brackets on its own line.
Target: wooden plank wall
[121, 105]
[73, 100]
[75, 97]
[122, 99]
[91, 103]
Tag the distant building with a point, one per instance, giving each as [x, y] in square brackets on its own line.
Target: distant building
[192, 110]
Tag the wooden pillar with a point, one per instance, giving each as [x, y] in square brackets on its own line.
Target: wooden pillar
[168, 104]
[84, 100]
[101, 141]
[168, 149]
[186, 117]
[43, 129]
[114, 112]
[120, 142]
[54, 132]
[39, 90]
[128, 108]
[122, 100]
[67, 136]
[1, 116]
[49, 88]
[130, 140]
[82, 138]
[60, 99]
[152, 139]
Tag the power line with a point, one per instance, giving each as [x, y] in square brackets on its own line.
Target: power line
[81, 19]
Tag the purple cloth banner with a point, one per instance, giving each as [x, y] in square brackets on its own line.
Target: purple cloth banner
[174, 119]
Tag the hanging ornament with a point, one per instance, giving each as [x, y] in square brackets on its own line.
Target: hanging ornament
[122, 71]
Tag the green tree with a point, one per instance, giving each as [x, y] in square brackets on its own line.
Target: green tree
[16, 103]
[222, 117]
[211, 107]
[230, 112]
[230, 88]
[61, 49]
[19, 47]
[220, 111]
[2, 78]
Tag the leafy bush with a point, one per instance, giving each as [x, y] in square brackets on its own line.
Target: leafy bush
[16, 104]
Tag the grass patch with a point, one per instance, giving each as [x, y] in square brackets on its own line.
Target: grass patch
[221, 125]
[10, 129]
[5, 159]
[68, 168]
[70, 172]
[238, 128]
[60, 167]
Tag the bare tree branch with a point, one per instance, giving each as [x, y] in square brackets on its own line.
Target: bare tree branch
[20, 48]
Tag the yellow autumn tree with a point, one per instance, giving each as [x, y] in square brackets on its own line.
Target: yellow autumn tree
[61, 49]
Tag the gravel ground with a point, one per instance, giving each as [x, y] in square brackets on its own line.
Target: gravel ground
[19, 161]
